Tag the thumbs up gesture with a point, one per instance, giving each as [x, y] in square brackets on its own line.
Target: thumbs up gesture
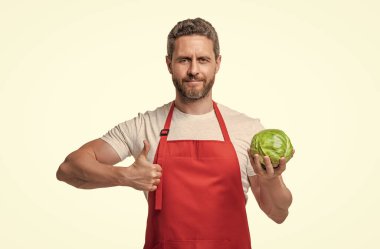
[142, 174]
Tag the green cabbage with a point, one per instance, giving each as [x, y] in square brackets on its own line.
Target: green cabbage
[273, 143]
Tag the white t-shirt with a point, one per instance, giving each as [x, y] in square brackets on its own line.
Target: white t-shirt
[127, 137]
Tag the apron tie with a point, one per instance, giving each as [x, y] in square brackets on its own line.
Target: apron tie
[163, 138]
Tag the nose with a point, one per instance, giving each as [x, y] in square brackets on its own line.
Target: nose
[193, 68]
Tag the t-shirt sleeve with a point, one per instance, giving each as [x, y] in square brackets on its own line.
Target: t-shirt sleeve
[257, 127]
[123, 136]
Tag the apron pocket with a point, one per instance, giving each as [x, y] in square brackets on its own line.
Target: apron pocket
[198, 244]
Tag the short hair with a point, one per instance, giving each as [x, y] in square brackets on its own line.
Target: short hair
[197, 26]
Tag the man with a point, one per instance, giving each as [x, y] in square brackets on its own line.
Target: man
[191, 156]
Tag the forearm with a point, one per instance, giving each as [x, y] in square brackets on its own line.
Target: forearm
[275, 198]
[81, 169]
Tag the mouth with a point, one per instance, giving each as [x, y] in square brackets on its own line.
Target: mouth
[193, 83]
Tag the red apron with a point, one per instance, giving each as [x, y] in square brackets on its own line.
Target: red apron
[199, 203]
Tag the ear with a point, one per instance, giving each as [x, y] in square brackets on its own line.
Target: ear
[169, 64]
[218, 61]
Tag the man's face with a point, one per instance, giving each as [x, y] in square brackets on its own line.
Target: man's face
[193, 66]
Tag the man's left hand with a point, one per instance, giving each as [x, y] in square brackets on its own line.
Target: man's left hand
[267, 172]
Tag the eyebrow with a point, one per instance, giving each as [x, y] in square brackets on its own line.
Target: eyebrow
[190, 58]
[183, 57]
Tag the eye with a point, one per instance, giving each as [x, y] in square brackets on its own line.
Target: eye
[183, 60]
[203, 60]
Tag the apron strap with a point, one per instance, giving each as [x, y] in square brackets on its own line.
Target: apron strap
[159, 159]
[222, 125]
[169, 117]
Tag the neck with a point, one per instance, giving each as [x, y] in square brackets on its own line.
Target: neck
[197, 107]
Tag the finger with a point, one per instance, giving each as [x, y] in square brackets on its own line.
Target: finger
[154, 184]
[146, 148]
[156, 175]
[152, 188]
[268, 166]
[257, 165]
[281, 167]
[157, 167]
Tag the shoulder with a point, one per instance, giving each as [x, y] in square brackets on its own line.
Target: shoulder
[145, 126]
[158, 113]
[148, 124]
[239, 122]
[142, 119]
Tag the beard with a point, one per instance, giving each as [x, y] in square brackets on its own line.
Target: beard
[191, 94]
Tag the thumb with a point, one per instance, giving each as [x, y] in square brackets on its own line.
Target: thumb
[146, 149]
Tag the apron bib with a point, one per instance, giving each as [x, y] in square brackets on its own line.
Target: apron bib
[199, 203]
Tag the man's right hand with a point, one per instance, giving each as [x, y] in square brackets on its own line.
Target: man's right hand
[91, 166]
[142, 174]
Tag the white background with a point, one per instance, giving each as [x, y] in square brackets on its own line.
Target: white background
[71, 70]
